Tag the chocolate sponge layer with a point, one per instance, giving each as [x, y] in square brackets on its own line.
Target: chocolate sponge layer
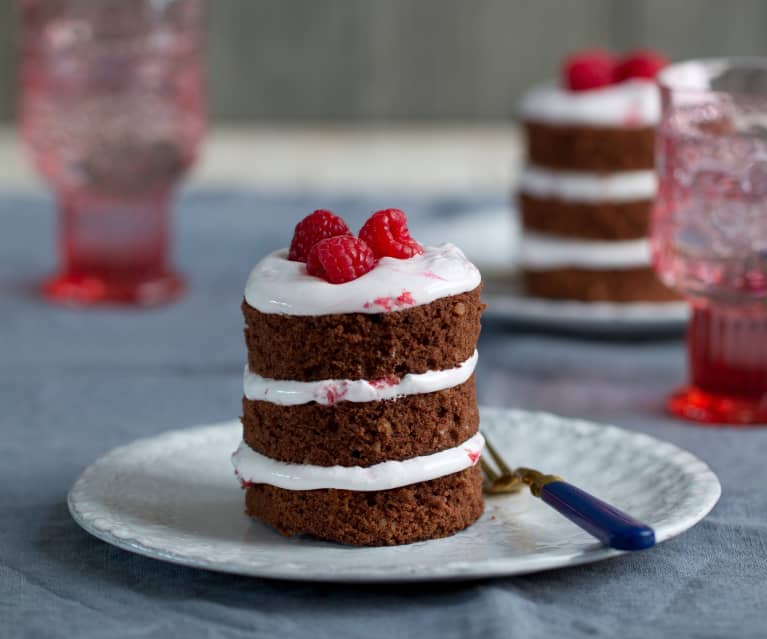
[362, 434]
[586, 220]
[629, 285]
[588, 148]
[432, 336]
[426, 510]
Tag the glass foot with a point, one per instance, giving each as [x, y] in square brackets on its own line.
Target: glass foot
[84, 290]
[707, 408]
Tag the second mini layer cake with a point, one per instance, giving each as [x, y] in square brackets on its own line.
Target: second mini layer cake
[360, 421]
[586, 195]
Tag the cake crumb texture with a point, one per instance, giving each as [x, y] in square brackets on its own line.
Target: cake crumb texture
[426, 510]
[362, 434]
[434, 336]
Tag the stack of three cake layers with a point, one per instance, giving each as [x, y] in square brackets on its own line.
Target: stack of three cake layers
[586, 194]
[360, 420]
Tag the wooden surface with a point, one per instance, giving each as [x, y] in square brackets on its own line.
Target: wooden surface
[397, 158]
[406, 59]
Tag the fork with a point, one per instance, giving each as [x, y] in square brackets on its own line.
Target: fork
[605, 522]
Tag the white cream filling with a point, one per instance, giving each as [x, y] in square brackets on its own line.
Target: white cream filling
[252, 467]
[277, 285]
[329, 391]
[540, 252]
[626, 104]
[586, 186]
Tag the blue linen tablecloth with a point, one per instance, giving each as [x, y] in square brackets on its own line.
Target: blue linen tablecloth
[73, 384]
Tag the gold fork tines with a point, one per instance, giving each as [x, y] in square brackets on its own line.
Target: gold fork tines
[510, 480]
[500, 481]
[496, 484]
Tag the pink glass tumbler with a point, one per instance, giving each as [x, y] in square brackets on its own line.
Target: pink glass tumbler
[710, 231]
[113, 111]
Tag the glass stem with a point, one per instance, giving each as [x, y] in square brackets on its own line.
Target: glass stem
[114, 238]
[728, 350]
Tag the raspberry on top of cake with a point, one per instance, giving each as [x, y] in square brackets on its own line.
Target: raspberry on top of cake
[383, 269]
[598, 89]
[600, 117]
[360, 420]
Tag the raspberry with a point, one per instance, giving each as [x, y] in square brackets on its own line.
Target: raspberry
[315, 227]
[643, 63]
[387, 235]
[589, 69]
[340, 259]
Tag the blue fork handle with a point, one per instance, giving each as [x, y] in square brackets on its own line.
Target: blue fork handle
[608, 524]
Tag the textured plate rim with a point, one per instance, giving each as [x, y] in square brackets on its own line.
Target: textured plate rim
[455, 571]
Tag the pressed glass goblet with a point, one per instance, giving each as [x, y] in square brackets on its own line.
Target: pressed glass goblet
[113, 111]
[710, 231]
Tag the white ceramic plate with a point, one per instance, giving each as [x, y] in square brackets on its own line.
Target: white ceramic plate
[506, 301]
[174, 497]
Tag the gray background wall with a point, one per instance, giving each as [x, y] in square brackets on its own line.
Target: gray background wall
[413, 59]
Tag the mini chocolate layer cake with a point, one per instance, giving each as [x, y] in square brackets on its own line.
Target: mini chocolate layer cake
[586, 194]
[349, 395]
[586, 220]
[364, 433]
[432, 336]
[579, 147]
[426, 510]
[624, 285]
